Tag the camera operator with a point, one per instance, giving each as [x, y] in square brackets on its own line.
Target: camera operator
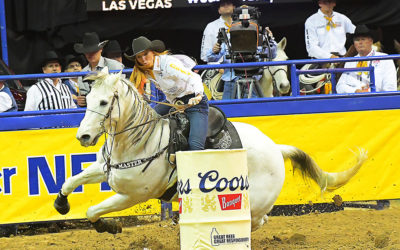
[220, 52]
[225, 9]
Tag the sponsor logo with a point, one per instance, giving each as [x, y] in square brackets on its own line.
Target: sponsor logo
[224, 239]
[230, 201]
[211, 180]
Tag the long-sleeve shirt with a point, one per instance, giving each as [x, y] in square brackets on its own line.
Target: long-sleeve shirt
[210, 36]
[174, 79]
[45, 95]
[321, 41]
[385, 76]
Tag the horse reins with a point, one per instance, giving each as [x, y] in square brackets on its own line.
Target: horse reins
[179, 108]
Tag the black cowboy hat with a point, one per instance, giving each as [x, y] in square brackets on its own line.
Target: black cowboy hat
[316, 1]
[364, 31]
[141, 44]
[50, 56]
[73, 58]
[91, 43]
[112, 48]
[236, 3]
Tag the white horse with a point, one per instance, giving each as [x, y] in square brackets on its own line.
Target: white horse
[116, 108]
[276, 75]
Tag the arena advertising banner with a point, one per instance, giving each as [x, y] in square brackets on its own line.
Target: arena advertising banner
[137, 5]
[35, 163]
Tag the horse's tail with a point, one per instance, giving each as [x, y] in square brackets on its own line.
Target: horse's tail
[308, 167]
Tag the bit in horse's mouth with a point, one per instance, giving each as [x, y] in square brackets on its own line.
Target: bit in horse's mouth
[94, 142]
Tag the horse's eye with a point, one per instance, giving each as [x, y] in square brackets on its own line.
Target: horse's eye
[103, 103]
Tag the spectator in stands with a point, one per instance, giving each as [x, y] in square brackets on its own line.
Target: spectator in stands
[325, 31]
[49, 93]
[73, 63]
[92, 49]
[112, 50]
[225, 9]
[358, 82]
[7, 101]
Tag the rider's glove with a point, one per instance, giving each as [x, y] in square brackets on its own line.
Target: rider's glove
[195, 100]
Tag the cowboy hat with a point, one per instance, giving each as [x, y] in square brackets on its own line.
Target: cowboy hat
[50, 56]
[364, 31]
[112, 49]
[73, 58]
[141, 44]
[91, 43]
[235, 3]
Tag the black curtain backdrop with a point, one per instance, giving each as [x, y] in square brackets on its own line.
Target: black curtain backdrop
[36, 26]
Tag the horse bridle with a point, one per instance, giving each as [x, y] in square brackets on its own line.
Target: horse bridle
[273, 74]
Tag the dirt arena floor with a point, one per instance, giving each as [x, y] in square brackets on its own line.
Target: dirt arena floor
[348, 229]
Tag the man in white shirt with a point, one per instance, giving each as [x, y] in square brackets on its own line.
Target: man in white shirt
[359, 82]
[325, 31]
[49, 93]
[225, 9]
[7, 101]
[92, 48]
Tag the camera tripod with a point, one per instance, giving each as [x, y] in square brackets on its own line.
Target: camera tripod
[246, 88]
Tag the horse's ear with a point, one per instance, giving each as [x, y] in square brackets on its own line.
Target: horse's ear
[105, 70]
[119, 74]
[282, 43]
[396, 45]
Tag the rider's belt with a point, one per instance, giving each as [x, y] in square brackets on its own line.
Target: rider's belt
[185, 99]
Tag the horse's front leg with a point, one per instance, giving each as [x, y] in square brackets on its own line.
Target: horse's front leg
[115, 203]
[93, 174]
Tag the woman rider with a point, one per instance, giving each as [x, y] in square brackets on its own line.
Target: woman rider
[176, 80]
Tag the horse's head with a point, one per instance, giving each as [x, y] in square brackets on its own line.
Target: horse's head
[102, 107]
[278, 74]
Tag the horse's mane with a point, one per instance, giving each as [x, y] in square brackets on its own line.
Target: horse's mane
[100, 76]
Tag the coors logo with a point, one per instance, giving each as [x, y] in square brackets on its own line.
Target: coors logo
[230, 201]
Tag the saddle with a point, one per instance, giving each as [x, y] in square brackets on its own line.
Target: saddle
[221, 134]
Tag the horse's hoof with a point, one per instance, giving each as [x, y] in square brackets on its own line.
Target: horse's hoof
[61, 204]
[109, 226]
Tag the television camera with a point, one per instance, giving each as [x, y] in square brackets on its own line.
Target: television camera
[246, 39]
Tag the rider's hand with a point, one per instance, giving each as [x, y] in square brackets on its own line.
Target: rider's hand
[216, 48]
[81, 100]
[195, 100]
[334, 56]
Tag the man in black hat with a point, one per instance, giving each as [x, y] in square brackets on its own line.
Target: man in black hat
[92, 48]
[73, 63]
[112, 50]
[325, 31]
[359, 82]
[49, 93]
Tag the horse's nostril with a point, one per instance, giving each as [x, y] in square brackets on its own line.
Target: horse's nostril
[85, 137]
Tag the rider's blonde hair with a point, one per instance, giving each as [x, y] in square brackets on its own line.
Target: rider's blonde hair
[138, 76]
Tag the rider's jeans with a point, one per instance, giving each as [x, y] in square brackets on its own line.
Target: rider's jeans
[198, 118]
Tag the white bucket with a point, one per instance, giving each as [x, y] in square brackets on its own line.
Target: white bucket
[214, 202]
